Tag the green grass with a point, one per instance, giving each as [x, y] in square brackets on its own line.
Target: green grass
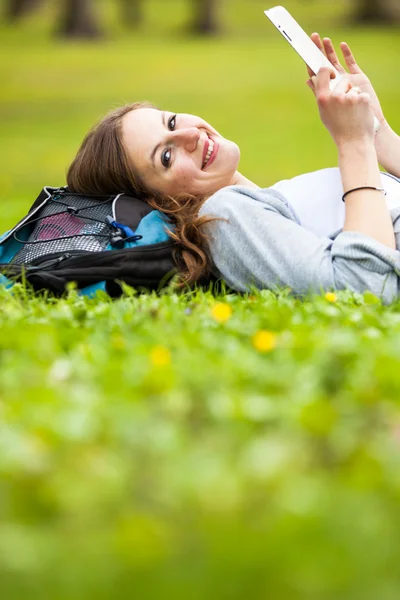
[145, 445]
[146, 449]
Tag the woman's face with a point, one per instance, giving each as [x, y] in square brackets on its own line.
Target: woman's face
[178, 153]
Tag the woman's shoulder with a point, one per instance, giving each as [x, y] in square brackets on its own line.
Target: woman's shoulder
[240, 198]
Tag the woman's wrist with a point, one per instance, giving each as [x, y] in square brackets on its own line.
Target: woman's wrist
[357, 146]
[358, 163]
[365, 209]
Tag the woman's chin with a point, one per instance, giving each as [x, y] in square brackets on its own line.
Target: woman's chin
[234, 147]
[235, 154]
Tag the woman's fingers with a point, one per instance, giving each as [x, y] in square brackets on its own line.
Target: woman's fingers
[343, 86]
[310, 72]
[310, 84]
[349, 58]
[321, 83]
[321, 86]
[364, 97]
[352, 95]
[317, 41]
[332, 56]
[327, 48]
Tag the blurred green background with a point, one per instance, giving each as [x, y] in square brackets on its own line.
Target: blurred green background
[245, 80]
[146, 449]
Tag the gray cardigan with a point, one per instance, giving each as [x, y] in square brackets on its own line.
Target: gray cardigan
[264, 245]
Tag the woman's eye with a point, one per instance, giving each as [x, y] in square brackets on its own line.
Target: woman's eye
[172, 122]
[166, 155]
[166, 158]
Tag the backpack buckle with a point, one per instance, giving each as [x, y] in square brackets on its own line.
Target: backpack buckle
[122, 233]
[72, 210]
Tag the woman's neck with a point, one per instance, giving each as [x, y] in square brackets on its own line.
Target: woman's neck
[239, 179]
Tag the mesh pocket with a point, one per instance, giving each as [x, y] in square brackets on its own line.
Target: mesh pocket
[65, 223]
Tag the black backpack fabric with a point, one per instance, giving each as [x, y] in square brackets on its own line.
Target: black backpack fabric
[94, 241]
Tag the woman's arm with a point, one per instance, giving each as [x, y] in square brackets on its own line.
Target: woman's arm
[366, 210]
[348, 117]
[261, 244]
[387, 142]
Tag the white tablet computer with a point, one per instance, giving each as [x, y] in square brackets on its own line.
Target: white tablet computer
[298, 39]
[302, 43]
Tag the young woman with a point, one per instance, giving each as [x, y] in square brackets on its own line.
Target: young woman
[297, 233]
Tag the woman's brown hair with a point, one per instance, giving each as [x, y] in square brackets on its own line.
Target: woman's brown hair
[101, 166]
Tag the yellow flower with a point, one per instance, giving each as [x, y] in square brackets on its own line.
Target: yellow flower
[264, 341]
[160, 356]
[330, 296]
[221, 312]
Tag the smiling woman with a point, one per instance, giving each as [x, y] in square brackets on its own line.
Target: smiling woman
[172, 161]
[174, 153]
[297, 233]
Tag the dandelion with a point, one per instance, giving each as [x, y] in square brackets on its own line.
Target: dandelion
[264, 341]
[330, 296]
[221, 312]
[160, 356]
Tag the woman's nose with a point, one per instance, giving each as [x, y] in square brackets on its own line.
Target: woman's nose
[188, 138]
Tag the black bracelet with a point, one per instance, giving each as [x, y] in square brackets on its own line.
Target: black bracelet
[364, 187]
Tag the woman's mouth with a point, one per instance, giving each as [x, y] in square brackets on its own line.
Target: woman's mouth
[211, 150]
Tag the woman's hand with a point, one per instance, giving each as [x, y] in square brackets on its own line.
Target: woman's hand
[387, 142]
[355, 75]
[345, 112]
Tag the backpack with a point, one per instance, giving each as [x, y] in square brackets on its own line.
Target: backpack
[95, 241]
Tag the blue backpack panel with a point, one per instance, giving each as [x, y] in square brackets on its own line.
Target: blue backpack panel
[95, 241]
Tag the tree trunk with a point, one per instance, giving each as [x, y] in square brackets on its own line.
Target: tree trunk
[205, 17]
[376, 11]
[18, 8]
[78, 20]
[132, 12]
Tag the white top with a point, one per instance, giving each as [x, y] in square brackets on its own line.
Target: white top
[316, 198]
